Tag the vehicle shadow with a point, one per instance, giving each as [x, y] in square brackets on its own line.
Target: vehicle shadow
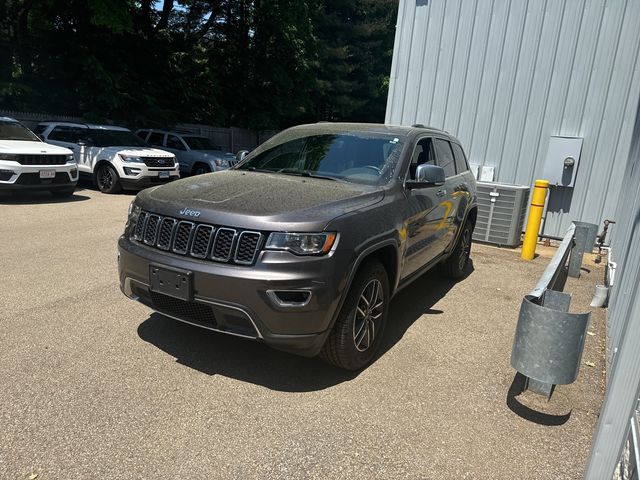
[39, 198]
[219, 354]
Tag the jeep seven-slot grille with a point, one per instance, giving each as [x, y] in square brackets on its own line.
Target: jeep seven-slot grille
[38, 159]
[199, 240]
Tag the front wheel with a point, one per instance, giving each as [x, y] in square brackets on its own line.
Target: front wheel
[456, 265]
[200, 169]
[107, 179]
[358, 331]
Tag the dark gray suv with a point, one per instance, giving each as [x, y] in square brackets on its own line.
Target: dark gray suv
[303, 243]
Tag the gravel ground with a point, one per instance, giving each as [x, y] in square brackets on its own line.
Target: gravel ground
[93, 385]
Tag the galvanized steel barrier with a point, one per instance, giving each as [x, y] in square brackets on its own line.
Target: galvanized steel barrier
[548, 343]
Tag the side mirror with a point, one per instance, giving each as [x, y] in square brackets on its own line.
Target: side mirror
[241, 154]
[427, 176]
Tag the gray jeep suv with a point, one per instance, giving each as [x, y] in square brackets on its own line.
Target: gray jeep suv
[303, 243]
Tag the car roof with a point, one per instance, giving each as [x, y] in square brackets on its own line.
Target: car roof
[404, 130]
[182, 133]
[87, 125]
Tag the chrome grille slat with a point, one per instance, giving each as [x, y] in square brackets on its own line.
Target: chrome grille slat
[223, 244]
[197, 240]
[182, 238]
[165, 235]
[201, 241]
[247, 247]
[151, 230]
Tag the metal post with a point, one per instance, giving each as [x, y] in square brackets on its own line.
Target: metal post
[535, 217]
[575, 260]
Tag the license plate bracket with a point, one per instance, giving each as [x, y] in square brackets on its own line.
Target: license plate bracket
[164, 174]
[48, 173]
[173, 282]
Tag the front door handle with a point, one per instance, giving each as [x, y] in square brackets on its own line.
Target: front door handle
[441, 193]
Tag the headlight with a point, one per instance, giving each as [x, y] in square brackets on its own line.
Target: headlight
[302, 243]
[131, 159]
[8, 157]
[71, 158]
[132, 214]
[220, 162]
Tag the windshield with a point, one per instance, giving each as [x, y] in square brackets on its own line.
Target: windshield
[10, 130]
[199, 143]
[114, 138]
[359, 157]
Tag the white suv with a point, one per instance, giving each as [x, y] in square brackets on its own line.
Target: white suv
[113, 157]
[195, 153]
[27, 163]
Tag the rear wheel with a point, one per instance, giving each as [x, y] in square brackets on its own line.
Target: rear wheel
[456, 265]
[107, 179]
[358, 331]
[200, 168]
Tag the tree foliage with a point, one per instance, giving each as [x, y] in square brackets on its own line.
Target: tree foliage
[248, 63]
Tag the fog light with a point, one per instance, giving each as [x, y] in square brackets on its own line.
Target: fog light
[73, 173]
[290, 298]
[6, 175]
[131, 171]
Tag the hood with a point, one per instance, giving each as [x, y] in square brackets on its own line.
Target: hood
[256, 200]
[137, 151]
[31, 148]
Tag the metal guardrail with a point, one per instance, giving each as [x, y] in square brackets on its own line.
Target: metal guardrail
[548, 343]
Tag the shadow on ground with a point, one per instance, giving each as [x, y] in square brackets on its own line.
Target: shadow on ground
[219, 354]
[514, 404]
[39, 198]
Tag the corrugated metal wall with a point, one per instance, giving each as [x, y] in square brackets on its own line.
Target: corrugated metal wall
[505, 75]
[623, 328]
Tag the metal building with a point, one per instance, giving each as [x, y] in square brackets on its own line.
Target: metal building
[511, 79]
[505, 76]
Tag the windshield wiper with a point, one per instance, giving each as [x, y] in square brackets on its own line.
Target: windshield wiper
[305, 173]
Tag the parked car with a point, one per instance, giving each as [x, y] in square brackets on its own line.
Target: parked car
[112, 157]
[196, 154]
[303, 244]
[27, 163]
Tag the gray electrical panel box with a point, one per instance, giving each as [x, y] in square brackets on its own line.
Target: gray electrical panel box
[562, 160]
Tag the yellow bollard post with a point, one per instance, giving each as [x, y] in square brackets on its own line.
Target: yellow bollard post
[535, 217]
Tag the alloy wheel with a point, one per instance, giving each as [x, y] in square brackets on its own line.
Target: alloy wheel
[369, 310]
[465, 248]
[105, 178]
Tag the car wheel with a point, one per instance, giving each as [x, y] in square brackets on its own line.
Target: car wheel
[63, 192]
[201, 168]
[358, 331]
[107, 179]
[455, 265]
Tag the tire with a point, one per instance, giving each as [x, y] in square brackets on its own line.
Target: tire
[455, 265]
[358, 331]
[107, 179]
[200, 169]
[63, 192]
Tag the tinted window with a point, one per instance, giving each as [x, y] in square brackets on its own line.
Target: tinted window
[200, 143]
[358, 157]
[423, 154]
[445, 157]
[142, 134]
[461, 160]
[10, 130]
[65, 133]
[114, 138]
[175, 142]
[156, 138]
[39, 129]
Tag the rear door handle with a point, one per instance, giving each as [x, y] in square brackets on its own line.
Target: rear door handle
[441, 193]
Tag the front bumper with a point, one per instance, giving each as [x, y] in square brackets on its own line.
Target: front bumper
[234, 299]
[14, 176]
[141, 182]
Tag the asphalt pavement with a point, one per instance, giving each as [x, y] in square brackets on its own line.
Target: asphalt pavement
[94, 385]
